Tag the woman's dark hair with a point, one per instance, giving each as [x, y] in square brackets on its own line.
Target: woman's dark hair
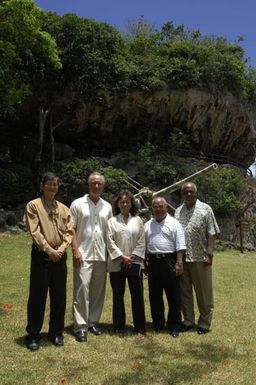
[129, 195]
[49, 176]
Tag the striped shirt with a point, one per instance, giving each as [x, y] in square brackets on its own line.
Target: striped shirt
[166, 236]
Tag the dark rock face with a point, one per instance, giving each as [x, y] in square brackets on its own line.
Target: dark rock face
[214, 125]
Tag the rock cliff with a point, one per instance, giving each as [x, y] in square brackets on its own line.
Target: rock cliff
[218, 125]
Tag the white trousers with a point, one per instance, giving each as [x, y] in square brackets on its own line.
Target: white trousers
[89, 293]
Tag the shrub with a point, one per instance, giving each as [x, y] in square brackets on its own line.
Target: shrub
[74, 175]
[16, 185]
[221, 189]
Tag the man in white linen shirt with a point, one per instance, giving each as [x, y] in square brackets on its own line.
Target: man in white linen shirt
[165, 245]
[90, 214]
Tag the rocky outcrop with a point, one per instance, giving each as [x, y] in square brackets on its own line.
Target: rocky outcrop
[218, 125]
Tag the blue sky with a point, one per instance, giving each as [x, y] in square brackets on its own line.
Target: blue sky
[228, 18]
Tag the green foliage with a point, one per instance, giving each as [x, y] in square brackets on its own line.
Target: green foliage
[221, 189]
[178, 140]
[182, 59]
[155, 171]
[91, 54]
[16, 185]
[27, 52]
[139, 27]
[74, 176]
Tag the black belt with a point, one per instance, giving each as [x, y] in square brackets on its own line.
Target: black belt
[162, 255]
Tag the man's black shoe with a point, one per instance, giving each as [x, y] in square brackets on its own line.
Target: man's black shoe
[174, 333]
[57, 340]
[95, 330]
[158, 327]
[81, 336]
[32, 343]
[186, 328]
[201, 330]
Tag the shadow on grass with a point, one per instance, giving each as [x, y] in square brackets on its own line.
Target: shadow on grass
[107, 328]
[43, 340]
[196, 360]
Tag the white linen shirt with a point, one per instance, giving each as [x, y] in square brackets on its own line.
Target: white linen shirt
[125, 239]
[166, 236]
[90, 222]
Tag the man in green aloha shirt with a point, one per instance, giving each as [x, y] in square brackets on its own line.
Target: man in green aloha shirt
[201, 229]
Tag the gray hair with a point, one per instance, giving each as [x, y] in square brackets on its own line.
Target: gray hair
[96, 173]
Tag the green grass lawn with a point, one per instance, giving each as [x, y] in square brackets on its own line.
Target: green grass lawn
[226, 355]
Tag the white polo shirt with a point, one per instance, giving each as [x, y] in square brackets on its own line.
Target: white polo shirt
[90, 222]
[166, 236]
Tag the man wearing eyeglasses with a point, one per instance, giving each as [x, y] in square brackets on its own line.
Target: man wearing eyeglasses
[49, 223]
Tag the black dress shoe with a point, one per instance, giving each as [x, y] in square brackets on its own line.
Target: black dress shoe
[158, 327]
[174, 332]
[57, 340]
[201, 330]
[81, 336]
[32, 343]
[95, 330]
[186, 328]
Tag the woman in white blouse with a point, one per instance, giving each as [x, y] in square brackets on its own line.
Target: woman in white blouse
[126, 246]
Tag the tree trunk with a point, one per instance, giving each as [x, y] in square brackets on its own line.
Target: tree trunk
[52, 143]
[42, 119]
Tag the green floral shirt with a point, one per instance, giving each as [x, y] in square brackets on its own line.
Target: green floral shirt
[198, 223]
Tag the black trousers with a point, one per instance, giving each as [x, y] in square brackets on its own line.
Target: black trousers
[162, 278]
[45, 275]
[118, 282]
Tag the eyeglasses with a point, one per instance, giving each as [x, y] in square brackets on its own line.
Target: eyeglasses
[51, 184]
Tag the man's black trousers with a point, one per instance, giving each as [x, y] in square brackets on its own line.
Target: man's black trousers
[45, 275]
[162, 278]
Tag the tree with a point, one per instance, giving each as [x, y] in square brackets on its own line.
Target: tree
[29, 59]
[26, 52]
[139, 27]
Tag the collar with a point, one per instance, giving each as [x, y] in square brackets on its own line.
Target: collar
[166, 219]
[87, 199]
[120, 218]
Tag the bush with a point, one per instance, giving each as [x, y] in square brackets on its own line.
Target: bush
[16, 185]
[221, 189]
[74, 175]
[155, 170]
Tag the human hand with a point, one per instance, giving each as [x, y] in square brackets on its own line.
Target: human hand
[55, 256]
[127, 260]
[178, 268]
[208, 260]
[77, 257]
